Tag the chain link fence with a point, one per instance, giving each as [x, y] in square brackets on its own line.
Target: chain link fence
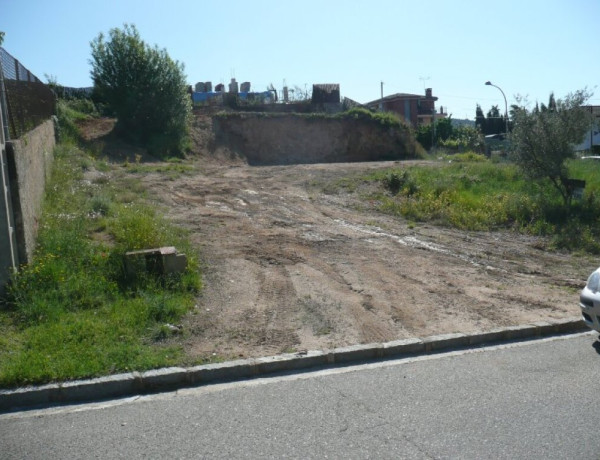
[26, 101]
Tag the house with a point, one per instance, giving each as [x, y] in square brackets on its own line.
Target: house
[416, 109]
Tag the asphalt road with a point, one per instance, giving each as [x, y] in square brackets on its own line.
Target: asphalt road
[531, 400]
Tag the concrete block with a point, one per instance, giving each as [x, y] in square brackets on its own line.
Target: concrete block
[162, 379]
[292, 361]
[521, 332]
[566, 325]
[491, 336]
[231, 370]
[174, 263]
[160, 261]
[96, 389]
[543, 328]
[358, 353]
[445, 341]
[403, 347]
[27, 397]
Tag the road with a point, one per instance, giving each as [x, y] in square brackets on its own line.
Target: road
[530, 400]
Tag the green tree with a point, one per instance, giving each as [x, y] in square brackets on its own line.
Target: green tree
[1, 37]
[480, 120]
[145, 88]
[469, 138]
[443, 130]
[495, 121]
[542, 140]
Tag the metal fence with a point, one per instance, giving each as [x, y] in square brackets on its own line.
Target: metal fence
[26, 101]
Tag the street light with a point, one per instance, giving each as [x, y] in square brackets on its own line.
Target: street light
[489, 83]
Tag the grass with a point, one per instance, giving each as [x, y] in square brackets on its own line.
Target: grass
[72, 313]
[472, 193]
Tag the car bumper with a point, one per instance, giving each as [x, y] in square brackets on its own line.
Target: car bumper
[589, 302]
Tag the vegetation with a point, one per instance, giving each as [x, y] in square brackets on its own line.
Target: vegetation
[543, 139]
[472, 193]
[494, 123]
[145, 88]
[444, 134]
[385, 119]
[72, 312]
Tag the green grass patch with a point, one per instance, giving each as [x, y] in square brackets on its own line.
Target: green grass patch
[473, 193]
[171, 170]
[72, 313]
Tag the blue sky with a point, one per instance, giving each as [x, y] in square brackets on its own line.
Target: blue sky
[527, 47]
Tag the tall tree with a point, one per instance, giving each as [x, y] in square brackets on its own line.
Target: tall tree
[551, 102]
[542, 140]
[145, 88]
[480, 120]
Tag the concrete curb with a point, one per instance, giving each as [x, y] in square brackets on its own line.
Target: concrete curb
[172, 378]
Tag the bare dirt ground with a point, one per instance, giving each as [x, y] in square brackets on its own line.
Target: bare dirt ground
[291, 264]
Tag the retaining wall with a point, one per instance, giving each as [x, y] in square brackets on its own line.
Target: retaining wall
[292, 138]
[29, 162]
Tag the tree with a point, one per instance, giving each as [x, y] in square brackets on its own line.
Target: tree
[144, 87]
[1, 37]
[480, 120]
[495, 122]
[542, 140]
[443, 130]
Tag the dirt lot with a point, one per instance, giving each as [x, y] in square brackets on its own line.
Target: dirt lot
[292, 263]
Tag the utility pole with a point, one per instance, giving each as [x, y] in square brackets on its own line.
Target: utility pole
[381, 103]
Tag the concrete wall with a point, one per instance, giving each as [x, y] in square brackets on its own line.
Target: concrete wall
[8, 244]
[29, 163]
[291, 138]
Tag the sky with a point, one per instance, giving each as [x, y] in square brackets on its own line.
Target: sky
[528, 48]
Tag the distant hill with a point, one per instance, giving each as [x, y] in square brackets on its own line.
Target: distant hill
[462, 122]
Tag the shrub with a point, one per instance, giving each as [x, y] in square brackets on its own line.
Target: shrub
[145, 88]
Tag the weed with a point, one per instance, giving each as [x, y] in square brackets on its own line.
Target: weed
[70, 313]
[476, 194]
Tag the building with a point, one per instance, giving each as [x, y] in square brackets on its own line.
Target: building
[416, 109]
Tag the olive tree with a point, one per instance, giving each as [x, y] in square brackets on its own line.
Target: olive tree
[543, 140]
[144, 87]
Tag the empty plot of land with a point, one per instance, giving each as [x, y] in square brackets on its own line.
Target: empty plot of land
[292, 264]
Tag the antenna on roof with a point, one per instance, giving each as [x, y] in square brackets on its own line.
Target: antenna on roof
[423, 80]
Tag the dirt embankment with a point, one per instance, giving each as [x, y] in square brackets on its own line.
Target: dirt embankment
[271, 139]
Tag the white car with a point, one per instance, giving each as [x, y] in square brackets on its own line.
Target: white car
[589, 301]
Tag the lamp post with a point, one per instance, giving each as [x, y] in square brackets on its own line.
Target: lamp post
[489, 83]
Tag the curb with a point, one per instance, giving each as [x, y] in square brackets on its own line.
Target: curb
[172, 378]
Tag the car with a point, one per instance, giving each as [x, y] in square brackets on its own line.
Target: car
[589, 301]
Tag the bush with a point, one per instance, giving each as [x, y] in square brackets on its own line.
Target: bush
[145, 88]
